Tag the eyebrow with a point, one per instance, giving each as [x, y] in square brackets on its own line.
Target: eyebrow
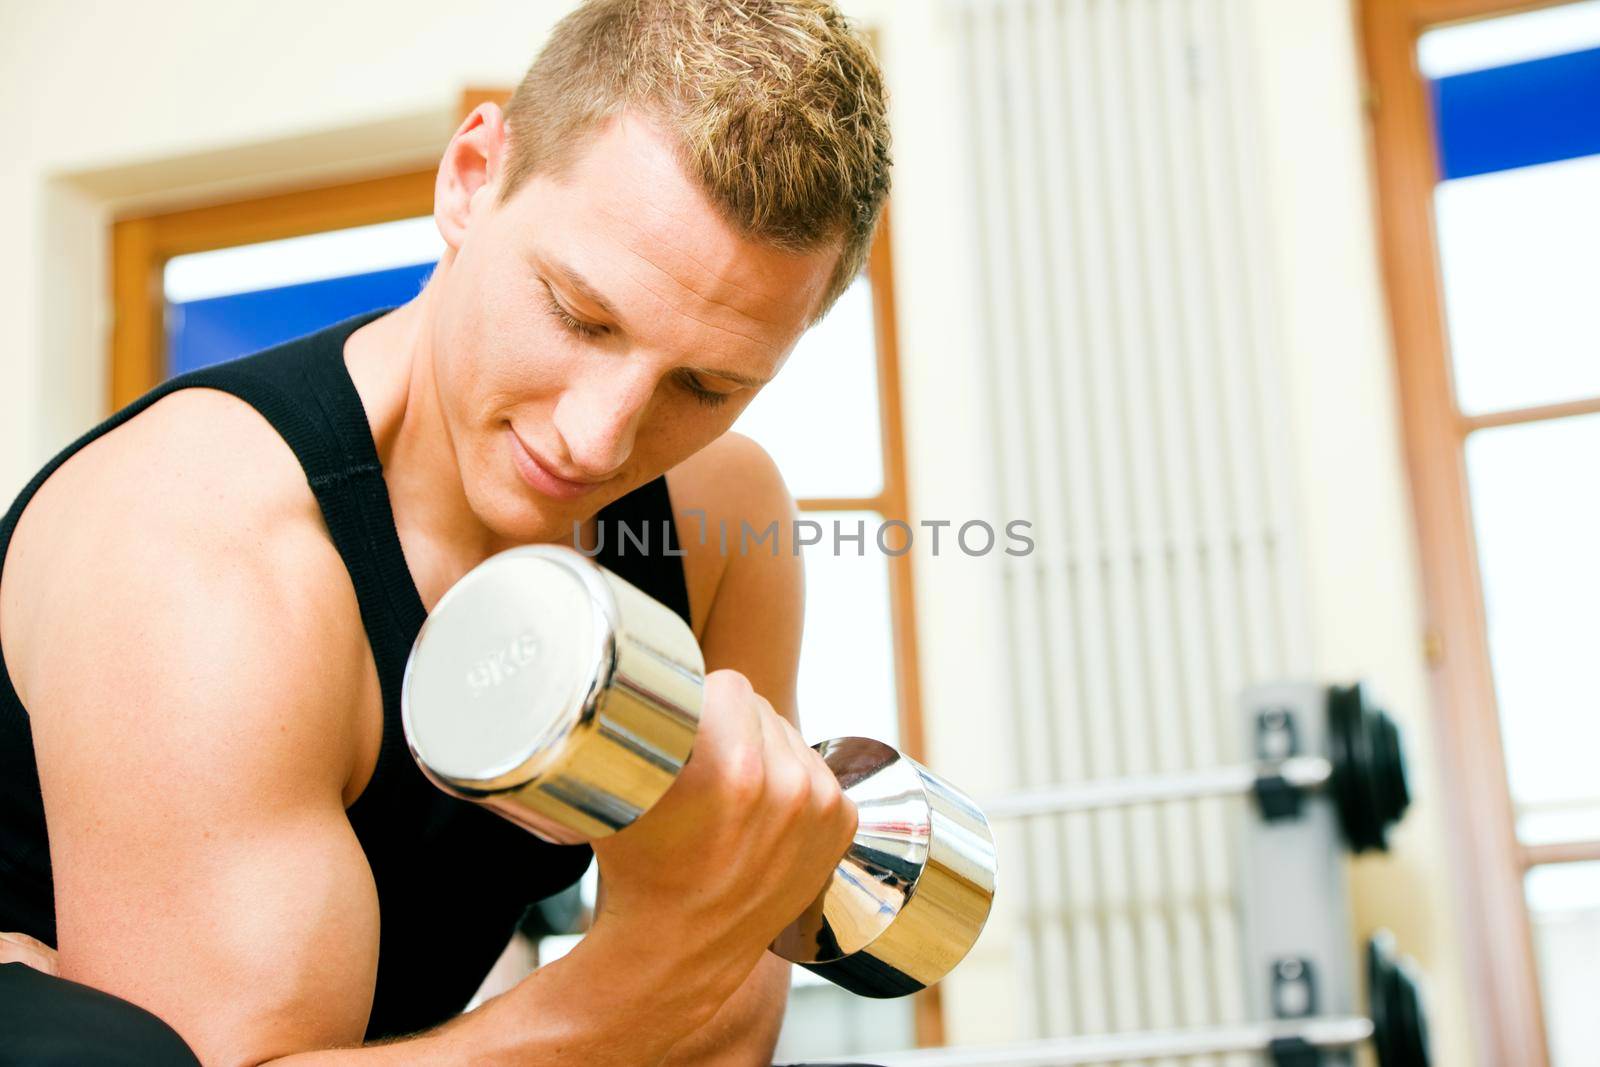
[579, 284]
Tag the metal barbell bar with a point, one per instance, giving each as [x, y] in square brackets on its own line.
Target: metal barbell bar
[1364, 771]
[1396, 1026]
[1325, 1034]
[1299, 772]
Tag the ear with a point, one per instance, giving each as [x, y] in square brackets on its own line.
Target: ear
[470, 172]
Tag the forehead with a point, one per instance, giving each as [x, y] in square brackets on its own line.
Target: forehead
[628, 219]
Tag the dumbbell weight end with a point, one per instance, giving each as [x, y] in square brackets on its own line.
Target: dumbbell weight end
[526, 692]
[910, 897]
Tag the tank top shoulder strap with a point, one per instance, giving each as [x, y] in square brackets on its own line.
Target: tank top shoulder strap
[304, 390]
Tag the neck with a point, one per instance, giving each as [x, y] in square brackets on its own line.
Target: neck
[391, 362]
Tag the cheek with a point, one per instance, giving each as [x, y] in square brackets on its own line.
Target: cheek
[682, 426]
[498, 350]
[501, 359]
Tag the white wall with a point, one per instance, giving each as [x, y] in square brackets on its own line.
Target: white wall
[1352, 510]
[109, 106]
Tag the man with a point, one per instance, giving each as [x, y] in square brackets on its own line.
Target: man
[206, 601]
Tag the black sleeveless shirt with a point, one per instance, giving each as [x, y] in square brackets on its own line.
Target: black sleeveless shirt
[453, 879]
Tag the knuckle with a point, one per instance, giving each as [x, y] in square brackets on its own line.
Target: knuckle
[728, 685]
[789, 795]
[820, 766]
[792, 732]
[745, 774]
[829, 798]
[846, 823]
[793, 791]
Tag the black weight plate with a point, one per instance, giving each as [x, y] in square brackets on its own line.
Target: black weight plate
[1399, 1024]
[1369, 784]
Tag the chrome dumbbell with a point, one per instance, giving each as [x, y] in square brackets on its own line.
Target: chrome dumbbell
[566, 700]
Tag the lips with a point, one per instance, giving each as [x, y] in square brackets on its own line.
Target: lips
[540, 477]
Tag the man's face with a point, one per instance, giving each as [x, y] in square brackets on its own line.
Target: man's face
[601, 328]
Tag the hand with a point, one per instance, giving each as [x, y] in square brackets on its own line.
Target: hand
[20, 948]
[745, 839]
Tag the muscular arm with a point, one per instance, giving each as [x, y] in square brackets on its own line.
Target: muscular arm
[189, 690]
[188, 684]
[753, 626]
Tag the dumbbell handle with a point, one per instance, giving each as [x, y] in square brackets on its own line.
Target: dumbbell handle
[1297, 772]
[1334, 1032]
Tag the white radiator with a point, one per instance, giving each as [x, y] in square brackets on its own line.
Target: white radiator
[1129, 342]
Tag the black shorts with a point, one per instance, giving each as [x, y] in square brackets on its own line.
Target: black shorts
[51, 1022]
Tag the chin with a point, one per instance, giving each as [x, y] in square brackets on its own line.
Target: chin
[525, 522]
[514, 516]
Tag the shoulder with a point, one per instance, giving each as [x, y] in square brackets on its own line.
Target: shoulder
[746, 580]
[732, 476]
[179, 560]
[196, 457]
[199, 478]
[733, 512]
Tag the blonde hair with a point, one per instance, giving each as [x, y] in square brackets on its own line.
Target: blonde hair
[776, 106]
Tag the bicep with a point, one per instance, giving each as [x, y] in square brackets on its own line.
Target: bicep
[204, 868]
[252, 937]
[757, 613]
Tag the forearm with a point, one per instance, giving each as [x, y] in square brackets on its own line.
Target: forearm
[745, 1029]
[608, 1003]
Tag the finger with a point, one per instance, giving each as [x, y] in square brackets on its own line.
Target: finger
[825, 783]
[822, 780]
[20, 948]
[730, 728]
[826, 796]
[786, 753]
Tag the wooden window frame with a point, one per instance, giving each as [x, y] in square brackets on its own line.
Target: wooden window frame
[1490, 861]
[141, 246]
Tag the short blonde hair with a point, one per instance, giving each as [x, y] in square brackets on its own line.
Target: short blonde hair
[777, 107]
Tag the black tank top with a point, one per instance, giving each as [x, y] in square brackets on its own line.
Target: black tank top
[453, 879]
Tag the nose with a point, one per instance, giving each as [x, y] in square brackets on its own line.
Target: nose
[598, 418]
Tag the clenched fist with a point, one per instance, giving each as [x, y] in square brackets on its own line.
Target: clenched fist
[747, 836]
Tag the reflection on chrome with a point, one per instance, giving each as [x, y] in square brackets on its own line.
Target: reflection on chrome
[595, 721]
[910, 898]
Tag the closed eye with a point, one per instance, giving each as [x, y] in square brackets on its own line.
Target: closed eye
[709, 397]
[572, 325]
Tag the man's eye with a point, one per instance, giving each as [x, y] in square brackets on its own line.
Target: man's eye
[701, 393]
[572, 325]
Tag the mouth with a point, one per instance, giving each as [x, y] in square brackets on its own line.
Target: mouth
[537, 475]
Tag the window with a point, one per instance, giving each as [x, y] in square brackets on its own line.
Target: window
[250, 258]
[1488, 158]
[226, 303]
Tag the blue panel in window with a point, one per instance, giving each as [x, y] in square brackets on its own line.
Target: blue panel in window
[203, 332]
[1518, 115]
